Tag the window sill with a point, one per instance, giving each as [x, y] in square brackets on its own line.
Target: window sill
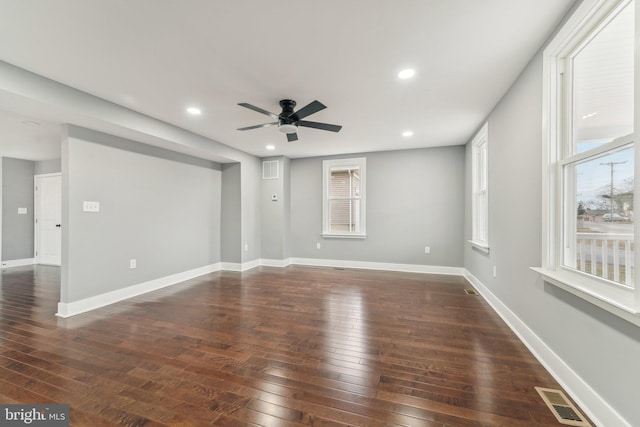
[343, 236]
[615, 300]
[483, 247]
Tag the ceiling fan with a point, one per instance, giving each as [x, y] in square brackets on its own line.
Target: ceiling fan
[289, 120]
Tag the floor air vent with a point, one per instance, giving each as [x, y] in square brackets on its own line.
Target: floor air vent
[471, 292]
[565, 412]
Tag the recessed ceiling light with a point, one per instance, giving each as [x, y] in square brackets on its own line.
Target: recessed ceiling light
[30, 123]
[407, 133]
[406, 74]
[194, 111]
[271, 147]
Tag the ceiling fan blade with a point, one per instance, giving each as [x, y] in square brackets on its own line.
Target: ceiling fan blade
[258, 109]
[323, 126]
[292, 137]
[258, 126]
[308, 109]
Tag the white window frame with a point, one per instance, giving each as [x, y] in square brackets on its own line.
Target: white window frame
[619, 300]
[352, 163]
[480, 189]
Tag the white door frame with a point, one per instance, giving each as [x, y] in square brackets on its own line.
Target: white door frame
[36, 229]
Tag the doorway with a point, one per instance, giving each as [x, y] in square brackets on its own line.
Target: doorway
[48, 219]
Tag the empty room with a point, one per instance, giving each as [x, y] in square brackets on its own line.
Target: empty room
[330, 213]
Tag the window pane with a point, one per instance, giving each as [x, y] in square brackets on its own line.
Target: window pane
[482, 225]
[344, 193]
[344, 215]
[599, 216]
[482, 168]
[339, 183]
[345, 183]
[603, 84]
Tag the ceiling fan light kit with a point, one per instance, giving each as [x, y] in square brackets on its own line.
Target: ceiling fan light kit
[287, 128]
[289, 120]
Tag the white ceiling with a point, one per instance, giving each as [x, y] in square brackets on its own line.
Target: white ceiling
[26, 138]
[159, 57]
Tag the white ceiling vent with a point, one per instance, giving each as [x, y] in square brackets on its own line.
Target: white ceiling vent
[270, 169]
[564, 411]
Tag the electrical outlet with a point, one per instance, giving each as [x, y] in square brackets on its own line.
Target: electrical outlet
[90, 206]
[495, 271]
[427, 249]
[246, 247]
[133, 264]
[318, 245]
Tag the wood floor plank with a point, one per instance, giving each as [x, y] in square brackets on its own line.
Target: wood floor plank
[271, 347]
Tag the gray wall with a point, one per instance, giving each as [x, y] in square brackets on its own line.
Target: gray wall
[48, 166]
[275, 234]
[231, 206]
[286, 201]
[601, 348]
[415, 198]
[17, 192]
[159, 207]
[251, 174]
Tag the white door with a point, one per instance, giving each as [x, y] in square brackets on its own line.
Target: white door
[48, 216]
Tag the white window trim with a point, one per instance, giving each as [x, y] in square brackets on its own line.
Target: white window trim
[618, 300]
[327, 165]
[479, 140]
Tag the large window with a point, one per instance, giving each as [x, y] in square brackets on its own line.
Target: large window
[480, 190]
[343, 211]
[590, 148]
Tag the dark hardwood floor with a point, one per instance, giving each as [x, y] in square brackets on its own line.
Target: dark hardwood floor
[271, 347]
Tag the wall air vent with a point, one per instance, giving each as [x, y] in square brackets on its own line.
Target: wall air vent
[564, 411]
[270, 169]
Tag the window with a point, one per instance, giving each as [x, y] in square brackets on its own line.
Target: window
[589, 178]
[343, 210]
[480, 190]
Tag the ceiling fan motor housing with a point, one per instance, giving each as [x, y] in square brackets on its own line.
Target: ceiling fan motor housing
[287, 107]
[286, 124]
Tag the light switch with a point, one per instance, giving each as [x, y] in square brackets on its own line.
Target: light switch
[90, 206]
[22, 211]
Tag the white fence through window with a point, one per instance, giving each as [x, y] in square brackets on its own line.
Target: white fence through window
[610, 256]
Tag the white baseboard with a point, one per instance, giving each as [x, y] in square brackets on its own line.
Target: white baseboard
[237, 266]
[231, 266]
[17, 262]
[407, 268]
[91, 303]
[275, 262]
[600, 412]
[338, 263]
[251, 264]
